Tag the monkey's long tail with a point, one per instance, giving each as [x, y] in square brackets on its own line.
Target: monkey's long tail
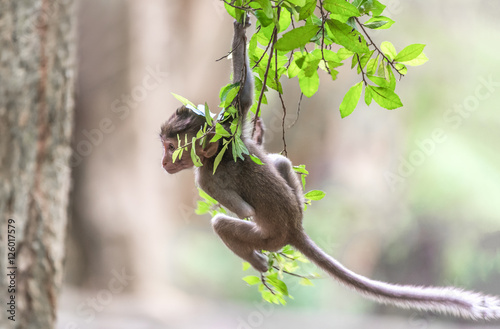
[449, 300]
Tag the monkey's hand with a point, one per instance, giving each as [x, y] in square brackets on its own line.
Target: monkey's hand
[242, 24]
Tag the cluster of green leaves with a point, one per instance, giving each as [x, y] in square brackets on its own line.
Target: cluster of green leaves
[215, 130]
[332, 32]
[271, 285]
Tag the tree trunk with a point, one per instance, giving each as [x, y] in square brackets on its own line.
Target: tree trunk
[36, 123]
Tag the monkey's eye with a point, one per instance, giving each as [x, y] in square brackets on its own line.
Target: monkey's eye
[171, 147]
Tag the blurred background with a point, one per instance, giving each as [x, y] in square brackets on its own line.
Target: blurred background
[412, 194]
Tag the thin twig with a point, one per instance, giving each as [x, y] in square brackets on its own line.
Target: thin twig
[263, 280]
[261, 57]
[378, 50]
[286, 256]
[282, 101]
[257, 111]
[363, 74]
[323, 37]
[238, 7]
[225, 56]
[290, 273]
[298, 111]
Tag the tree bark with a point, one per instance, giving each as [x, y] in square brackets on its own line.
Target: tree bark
[36, 123]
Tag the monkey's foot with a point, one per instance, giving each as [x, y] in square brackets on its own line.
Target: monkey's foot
[245, 22]
[259, 262]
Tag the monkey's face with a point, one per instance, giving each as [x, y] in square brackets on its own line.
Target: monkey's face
[185, 162]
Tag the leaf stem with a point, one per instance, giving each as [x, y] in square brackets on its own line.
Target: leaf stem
[263, 280]
[377, 48]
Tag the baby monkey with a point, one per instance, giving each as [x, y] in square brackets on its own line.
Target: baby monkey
[271, 195]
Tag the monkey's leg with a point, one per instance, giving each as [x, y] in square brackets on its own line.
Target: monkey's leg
[244, 238]
[285, 169]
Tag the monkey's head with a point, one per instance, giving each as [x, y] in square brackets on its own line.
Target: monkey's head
[183, 122]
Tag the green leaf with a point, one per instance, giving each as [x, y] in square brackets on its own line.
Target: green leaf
[296, 38]
[234, 125]
[239, 148]
[306, 282]
[379, 23]
[387, 70]
[219, 156]
[421, 59]
[245, 266]
[208, 115]
[251, 279]
[371, 67]
[234, 12]
[382, 82]
[219, 130]
[287, 250]
[228, 92]
[409, 53]
[307, 10]
[363, 61]
[344, 54]
[266, 7]
[311, 66]
[359, 3]
[234, 151]
[176, 154]
[375, 7]
[229, 97]
[392, 81]
[202, 208]
[386, 98]
[388, 50]
[344, 35]
[309, 85]
[241, 145]
[207, 197]
[341, 7]
[194, 157]
[365, 6]
[299, 3]
[351, 99]
[256, 159]
[285, 20]
[368, 95]
[270, 298]
[301, 169]
[315, 195]
[278, 284]
[262, 18]
[183, 100]
[293, 70]
[401, 68]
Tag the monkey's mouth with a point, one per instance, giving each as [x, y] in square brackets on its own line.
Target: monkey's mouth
[172, 170]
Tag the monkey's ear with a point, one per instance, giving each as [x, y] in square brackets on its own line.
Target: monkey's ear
[210, 149]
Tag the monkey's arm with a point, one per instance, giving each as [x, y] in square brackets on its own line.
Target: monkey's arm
[232, 201]
[241, 69]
